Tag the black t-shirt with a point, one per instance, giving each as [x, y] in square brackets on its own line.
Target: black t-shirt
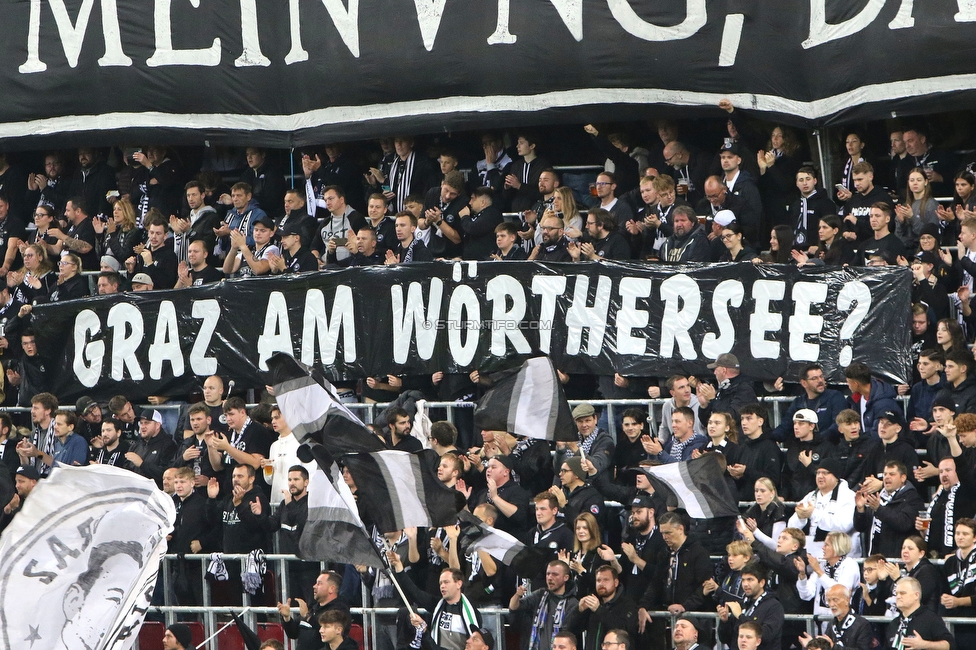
[301, 262]
[889, 246]
[206, 275]
[612, 247]
[85, 232]
[9, 228]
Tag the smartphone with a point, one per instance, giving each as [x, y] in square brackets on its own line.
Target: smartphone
[387, 188]
[840, 186]
[340, 241]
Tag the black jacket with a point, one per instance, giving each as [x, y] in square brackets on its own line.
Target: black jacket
[804, 217]
[242, 530]
[854, 457]
[692, 247]
[94, 184]
[782, 579]
[307, 630]
[478, 233]
[192, 523]
[619, 613]
[856, 634]
[761, 457]
[963, 396]
[730, 398]
[289, 520]
[897, 519]
[691, 566]
[157, 456]
[768, 612]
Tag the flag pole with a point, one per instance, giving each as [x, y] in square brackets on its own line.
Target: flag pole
[389, 572]
[203, 643]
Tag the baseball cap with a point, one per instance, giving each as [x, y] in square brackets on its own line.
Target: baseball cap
[151, 414]
[926, 257]
[583, 411]
[806, 415]
[290, 229]
[486, 636]
[266, 221]
[505, 460]
[724, 217]
[894, 416]
[725, 360]
[28, 471]
[84, 405]
[142, 278]
[641, 500]
[732, 147]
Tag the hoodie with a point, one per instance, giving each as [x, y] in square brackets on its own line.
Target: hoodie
[882, 399]
[692, 247]
[761, 457]
[568, 614]
[963, 395]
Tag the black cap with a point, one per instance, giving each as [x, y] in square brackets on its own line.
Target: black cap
[926, 257]
[28, 471]
[731, 147]
[290, 229]
[505, 460]
[641, 500]
[266, 221]
[84, 405]
[895, 416]
[486, 636]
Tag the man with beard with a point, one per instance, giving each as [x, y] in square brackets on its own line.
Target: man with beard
[113, 449]
[93, 179]
[325, 598]
[688, 242]
[452, 615]
[643, 548]
[691, 170]
[949, 505]
[825, 402]
[550, 534]
[602, 242]
[289, 520]
[607, 609]
[846, 629]
[193, 450]
[553, 609]
[478, 222]
[548, 183]
[761, 606]
[554, 246]
[51, 187]
[198, 225]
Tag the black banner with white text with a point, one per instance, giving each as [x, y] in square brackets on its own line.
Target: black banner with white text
[597, 318]
[297, 72]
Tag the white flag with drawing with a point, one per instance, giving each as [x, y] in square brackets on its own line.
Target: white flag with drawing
[78, 563]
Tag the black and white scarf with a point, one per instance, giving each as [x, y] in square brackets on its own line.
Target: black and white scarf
[965, 573]
[467, 614]
[830, 572]
[838, 631]
[800, 232]
[401, 174]
[949, 517]
[750, 605]
[408, 254]
[237, 441]
[884, 497]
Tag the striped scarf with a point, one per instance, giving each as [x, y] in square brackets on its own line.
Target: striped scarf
[949, 518]
[401, 174]
[541, 616]
[467, 614]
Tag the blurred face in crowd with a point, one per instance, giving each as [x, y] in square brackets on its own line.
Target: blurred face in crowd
[751, 424]
[556, 577]
[586, 425]
[964, 537]
[604, 187]
[947, 473]
[86, 158]
[863, 182]
[762, 493]
[182, 486]
[199, 423]
[806, 183]
[404, 229]
[262, 234]
[547, 183]
[376, 209]
[545, 514]
[826, 481]
[915, 143]
[647, 192]
[255, 157]
[194, 198]
[892, 479]
[967, 237]
[239, 198]
[898, 143]
[110, 434]
[236, 418]
[447, 163]
[295, 203]
[552, 231]
[213, 390]
[682, 224]
[632, 428]
[730, 162]
[917, 183]
[878, 220]
[240, 478]
[850, 430]
[854, 146]
[826, 232]
[196, 254]
[403, 146]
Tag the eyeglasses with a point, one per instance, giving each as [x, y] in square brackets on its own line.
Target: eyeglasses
[727, 237]
[564, 470]
[66, 263]
[609, 643]
[602, 183]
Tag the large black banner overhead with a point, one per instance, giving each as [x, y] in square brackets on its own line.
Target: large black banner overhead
[597, 318]
[294, 72]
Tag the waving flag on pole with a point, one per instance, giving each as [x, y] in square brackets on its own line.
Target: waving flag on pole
[527, 401]
[78, 564]
[313, 411]
[700, 486]
[334, 530]
[400, 490]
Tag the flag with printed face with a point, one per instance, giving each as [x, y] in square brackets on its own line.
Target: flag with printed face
[527, 401]
[334, 530]
[400, 490]
[699, 485]
[312, 410]
[79, 562]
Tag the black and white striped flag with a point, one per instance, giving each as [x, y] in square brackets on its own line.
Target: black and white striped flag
[699, 485]
[312, 410]
[334, 530]
[400, 490]
[527, 401]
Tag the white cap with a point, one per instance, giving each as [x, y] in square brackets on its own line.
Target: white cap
[724, 217]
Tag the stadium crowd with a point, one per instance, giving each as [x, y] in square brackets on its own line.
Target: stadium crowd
[871, 527]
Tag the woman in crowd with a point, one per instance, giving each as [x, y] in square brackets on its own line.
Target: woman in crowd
[35, 281]
[585, 559]
[736, 246]
[766, 518]
[918, 210]
[949, 336]
[834, 569]
[44, 220]
[918, 566]
[119, 235]
[928, 241]
[71, 283]
[855, 147]
[778, 165]
[834, 249]
[780, 247]
[963, 206]
[564, 207]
